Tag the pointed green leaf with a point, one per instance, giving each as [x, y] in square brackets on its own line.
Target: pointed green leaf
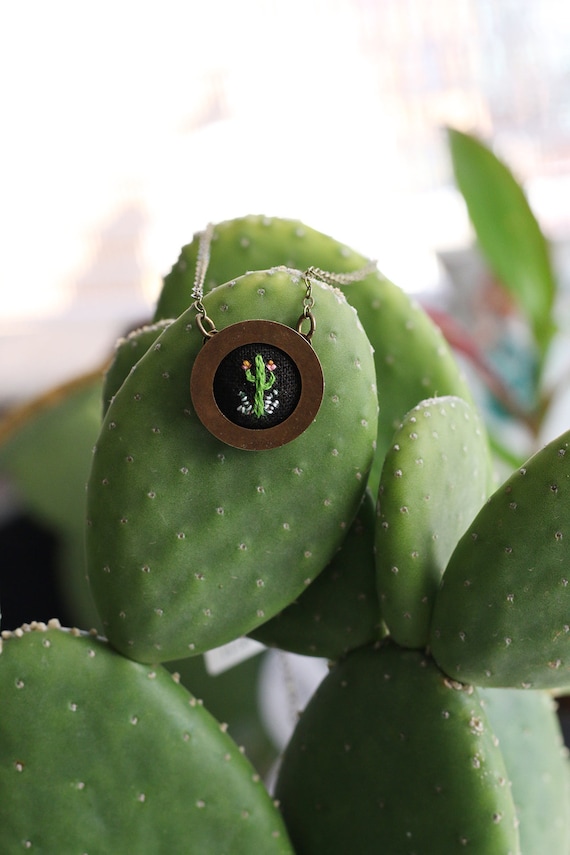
[507, 231]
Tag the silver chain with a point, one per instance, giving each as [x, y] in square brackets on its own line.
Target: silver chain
[202, 262]
[206, 324]
[341, 278]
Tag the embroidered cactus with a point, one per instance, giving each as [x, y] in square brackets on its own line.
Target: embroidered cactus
[262, 381]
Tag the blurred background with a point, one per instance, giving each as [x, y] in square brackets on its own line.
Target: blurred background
[127, 126]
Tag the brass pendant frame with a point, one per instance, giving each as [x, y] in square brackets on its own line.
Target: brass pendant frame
[295, 345]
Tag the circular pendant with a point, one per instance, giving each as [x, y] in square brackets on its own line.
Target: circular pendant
[257, 384]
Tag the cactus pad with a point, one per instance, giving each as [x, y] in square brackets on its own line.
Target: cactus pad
[413, 360]
[390, 756]
[128, 351]
[252, 243]
[435, 478]
[532, 746]
[502, 614]
[340, 609]
[191, 542]
[101, 754]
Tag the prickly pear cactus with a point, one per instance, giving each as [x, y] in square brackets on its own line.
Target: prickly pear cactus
[377, 728]
[412, 359]
[192, 543]
[339, 610]
[102, 754]
[392, 756]
[502, 614]
[436, 476]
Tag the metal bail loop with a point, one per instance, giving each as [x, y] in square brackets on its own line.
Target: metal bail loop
[208, 331]
[205, 324]
[307, 316]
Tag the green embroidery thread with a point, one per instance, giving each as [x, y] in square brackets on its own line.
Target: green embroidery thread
[263, 380]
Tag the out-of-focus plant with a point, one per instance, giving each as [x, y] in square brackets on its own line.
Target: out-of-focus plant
[519, 258]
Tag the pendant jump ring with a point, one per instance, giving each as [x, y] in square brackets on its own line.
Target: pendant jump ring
[210, 329]
[307, 316]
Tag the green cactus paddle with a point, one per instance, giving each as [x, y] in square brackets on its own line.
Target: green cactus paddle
[192, 542]
[502, 614]
[391, 756]
[436, 476]
[531, 743]
[99, 754]
[340, 609]
[128, 351]
[413, 361]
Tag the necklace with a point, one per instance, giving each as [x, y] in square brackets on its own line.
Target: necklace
[258, 384]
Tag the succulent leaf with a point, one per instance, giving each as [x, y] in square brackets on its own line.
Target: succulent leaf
[232, 696]
[507, 231]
